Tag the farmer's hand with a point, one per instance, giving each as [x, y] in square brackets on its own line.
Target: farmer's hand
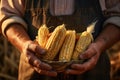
[42, 68]
[92, 55]
[18, 36]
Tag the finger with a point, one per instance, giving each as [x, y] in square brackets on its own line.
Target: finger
[91, 63]
[45, 72]
[88, 64]
[34, 47]
[76, 69]
[74, 72]
[77, 66]
[91, 51]
[81, 68]
[88, 53]
[34, 61]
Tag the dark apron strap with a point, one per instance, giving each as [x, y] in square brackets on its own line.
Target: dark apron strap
[99, 25]
[33, 16]
[45, 9]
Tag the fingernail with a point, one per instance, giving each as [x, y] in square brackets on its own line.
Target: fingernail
[67, 72]
[81, 57]
[43, 51]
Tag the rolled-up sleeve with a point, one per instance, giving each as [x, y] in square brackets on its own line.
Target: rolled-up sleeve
[111, 10]
[113, 20]
[11, 11]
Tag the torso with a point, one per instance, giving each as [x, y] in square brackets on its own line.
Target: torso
[85, 13]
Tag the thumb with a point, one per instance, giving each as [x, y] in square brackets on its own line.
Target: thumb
[83, 55]
[89, 52]
[34, 47]
[40, 50]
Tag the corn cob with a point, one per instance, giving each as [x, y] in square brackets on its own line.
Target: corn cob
[42, 37]
[54, 42]
[43, 33]
[83, 42]
[68, 46]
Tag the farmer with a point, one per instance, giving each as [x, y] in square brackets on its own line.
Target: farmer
[20, 20]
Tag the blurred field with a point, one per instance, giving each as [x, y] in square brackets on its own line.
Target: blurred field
[114, 54]
[9, 60]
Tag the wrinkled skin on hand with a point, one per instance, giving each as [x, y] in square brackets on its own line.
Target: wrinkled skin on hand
[42, 68]
[92, 55]
[17, 35]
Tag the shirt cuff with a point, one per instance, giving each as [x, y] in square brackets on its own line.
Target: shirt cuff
[11, 20]
[113, 20]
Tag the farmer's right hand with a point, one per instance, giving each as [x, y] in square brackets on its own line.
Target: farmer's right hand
[42, 68]
[18, 36]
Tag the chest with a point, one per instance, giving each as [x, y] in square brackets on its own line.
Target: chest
[85, 12]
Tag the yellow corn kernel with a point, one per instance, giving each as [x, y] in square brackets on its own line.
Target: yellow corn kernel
[81, 45]
[43, 33]
[68, 46]
[55, 42]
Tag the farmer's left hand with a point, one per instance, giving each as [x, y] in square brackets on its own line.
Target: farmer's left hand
[92, 55]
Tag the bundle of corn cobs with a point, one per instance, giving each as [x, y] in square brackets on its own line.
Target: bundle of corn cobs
[63, 46]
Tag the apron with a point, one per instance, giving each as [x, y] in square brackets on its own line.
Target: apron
[85, 13]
